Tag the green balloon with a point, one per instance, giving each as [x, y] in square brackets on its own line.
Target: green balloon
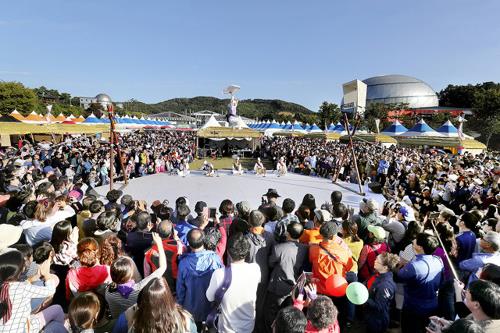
[357, 293]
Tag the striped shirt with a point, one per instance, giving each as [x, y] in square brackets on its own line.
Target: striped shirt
[20, 294]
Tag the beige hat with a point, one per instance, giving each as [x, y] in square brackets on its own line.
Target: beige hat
[9, 235]
[323, 215]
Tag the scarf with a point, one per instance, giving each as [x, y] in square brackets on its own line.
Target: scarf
[126, 289]
[4, 297]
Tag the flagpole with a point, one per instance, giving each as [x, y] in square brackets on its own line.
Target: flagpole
[453, 271]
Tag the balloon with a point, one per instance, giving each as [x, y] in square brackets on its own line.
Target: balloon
[357, 293]
[336, 285]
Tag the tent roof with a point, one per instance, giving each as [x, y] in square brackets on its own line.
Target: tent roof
[33, 116]
[395, 129]
[9, 118]
[453, 142]
[17, 115]
[212, 122]
[421, 129]
[27, 128]
[227, 132]
[448, 129]
[371, 137]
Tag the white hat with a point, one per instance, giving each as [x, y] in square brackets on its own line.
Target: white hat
[478, 181]
[9, 235]
[453, 177]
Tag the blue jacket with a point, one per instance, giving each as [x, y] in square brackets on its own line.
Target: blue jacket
[193, 277]
[477, 261]
[423, 277]
[182, 230]
[377, 310]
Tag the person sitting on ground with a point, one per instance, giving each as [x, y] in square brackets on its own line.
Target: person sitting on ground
[281, 167]
[237, 168]
[259, 168]
[208, 169]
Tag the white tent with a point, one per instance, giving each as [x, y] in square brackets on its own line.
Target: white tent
[212, 122]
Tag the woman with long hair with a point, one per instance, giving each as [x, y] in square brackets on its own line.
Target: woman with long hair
[155, 311]
[123, 291]
[15, 297]
[84, 312]
[64, 240]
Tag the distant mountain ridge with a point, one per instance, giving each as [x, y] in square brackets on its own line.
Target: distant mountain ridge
[251, 108]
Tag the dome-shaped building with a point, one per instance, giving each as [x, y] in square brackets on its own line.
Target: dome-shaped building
[396, 89]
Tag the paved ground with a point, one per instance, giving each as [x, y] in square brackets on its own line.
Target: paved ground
[237, 188]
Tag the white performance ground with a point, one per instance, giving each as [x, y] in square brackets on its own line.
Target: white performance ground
[248, 187]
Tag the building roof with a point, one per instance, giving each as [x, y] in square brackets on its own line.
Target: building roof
[396, 89]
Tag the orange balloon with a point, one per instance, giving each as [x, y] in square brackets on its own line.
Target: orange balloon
[336, 285]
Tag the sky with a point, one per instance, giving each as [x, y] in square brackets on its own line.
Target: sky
[298, 51]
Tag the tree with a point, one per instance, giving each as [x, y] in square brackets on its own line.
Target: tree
[482, 99]
[486, 108]
[376, 111]
[329, 113]
[95, 108]
[13, 95]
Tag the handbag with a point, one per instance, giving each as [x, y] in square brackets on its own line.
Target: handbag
[210, 325]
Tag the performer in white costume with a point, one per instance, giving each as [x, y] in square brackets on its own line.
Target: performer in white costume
[183, 168]
[208, 169]
[237, 168]
[259, 168]
[281, 167]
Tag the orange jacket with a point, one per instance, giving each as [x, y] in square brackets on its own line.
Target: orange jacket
[324, 266]
[311, 236]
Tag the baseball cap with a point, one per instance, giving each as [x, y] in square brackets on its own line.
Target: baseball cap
[493, 238]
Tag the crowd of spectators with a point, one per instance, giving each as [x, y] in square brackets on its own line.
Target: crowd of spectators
[73, 261]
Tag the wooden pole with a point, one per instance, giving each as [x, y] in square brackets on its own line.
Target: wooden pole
[351, 149]
[111, 147]
[453, 271]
